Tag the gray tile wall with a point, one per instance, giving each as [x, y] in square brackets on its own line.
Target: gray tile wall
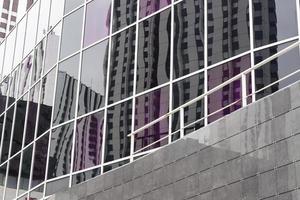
[251, 154]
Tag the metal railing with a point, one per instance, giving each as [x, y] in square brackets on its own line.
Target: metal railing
[242, 77]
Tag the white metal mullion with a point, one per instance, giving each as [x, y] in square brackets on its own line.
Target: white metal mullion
[107, 87]
[205, 62]
[53, 100]
[171, 70]
[251, 29]
[135, 79]
[77, 93]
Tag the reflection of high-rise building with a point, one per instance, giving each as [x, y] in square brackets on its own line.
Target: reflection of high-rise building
[10, 11]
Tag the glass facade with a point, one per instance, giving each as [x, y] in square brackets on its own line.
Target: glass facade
[77, 77]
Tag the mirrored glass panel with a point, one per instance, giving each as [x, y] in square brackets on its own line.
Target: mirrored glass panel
[25, 170]
[154, 51]
[124, 13]
[18, 127]
[97, 22]
[39, 55]
[121, 75]
[20, 41]
[9, 53]
[85, 176]
[184, 91]
[2, 50]
[93, 78]
[228, 29]
[148, 7]
[229, 94]
[31, 28]
[25, 74]
[71, 33]
[188, 37]
[13, 86]
[66, 90]
[3, 94]
[88, 141]
[46, 102]
[2, 179]
[52, 48]
[60, 151]
[43, 19]
[12, 178]
[57, 10]
[148, 108]
[37, 193]
[117, 144]
[275, 70]
[32, 113]
[40, 159]
[274, 21]
[72, 4]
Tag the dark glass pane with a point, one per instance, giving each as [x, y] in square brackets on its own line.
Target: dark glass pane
[148, 108]
[84, 176]
[117, 144]
[39, 54]
[188, 37]
[121, 75]
[276, 69]
[229, 93]
[71, 33]
[184, 91]
[2, 179]
[13, 83]
[72, 4]
[154, 51]
[25, 171]
[7, 133]
[66, 89]
[46, 101]
[228, 29]
[57, 185]
[88, 142]
[124, 13]
[148, 7]
[12, 178]
[93, 78]
[32, 113]
[115, 165]
[274, 20]
[97, 22]
[25, 73]
[1, 125]
[60, 151]
[19, 127]
[52, 47]
[40, 159]
[3, 94]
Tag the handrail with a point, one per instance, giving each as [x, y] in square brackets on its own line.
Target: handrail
[237, 77]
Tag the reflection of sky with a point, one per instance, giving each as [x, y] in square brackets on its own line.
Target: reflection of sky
[286, 18]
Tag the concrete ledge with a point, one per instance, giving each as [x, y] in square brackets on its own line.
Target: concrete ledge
[252, 153]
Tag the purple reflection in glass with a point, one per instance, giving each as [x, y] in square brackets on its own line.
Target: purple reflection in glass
[88, 141]
[148, 108]
[97, 21]
[148, 7]
[229, 93]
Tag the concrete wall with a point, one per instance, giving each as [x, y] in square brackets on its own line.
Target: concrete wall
[251, 154]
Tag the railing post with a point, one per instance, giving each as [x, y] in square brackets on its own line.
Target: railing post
[181, 122]
[244, 90]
